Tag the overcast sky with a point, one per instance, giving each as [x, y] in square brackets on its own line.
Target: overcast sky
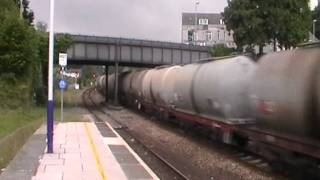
[140, 19]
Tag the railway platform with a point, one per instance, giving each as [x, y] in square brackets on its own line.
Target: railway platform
[89, 151]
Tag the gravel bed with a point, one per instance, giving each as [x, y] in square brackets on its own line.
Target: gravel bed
[200, 161]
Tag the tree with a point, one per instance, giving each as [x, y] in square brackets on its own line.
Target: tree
[27, 13]
[294, 22]
[23, 55]
[19, 59]
[244, 18]
[18, 44]
[257, 22]
[316, 16]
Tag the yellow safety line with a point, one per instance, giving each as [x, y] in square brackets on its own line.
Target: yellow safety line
[95, 153]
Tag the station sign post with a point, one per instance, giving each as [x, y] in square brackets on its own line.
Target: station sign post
[62, 86]
[62, 82]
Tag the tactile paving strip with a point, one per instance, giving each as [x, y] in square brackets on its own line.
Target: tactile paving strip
[105, 130]
[129, 164]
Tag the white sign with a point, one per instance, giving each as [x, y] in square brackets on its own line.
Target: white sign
[63, 59]
[76, 86]
[72, 74]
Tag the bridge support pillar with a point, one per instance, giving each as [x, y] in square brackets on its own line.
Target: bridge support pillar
[116, 84]
[107, 88]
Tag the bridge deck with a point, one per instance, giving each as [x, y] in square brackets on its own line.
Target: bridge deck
[132, 52]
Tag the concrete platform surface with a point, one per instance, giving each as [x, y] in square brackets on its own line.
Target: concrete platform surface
[89, 151]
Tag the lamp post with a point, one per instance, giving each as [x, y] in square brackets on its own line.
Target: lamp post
[314, 29]
[50, 82]
[195, 21]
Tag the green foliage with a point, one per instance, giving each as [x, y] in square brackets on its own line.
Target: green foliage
[18, 57]
[14, 93]
[18, 47]
[27, 13]
[23, 56]
[241, 16]
[257, 22]
[61, 44]
[294, 22]
[221, 50]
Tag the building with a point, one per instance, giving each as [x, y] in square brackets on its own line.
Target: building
[205, 29]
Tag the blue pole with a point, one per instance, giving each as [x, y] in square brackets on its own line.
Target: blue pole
[50, 107]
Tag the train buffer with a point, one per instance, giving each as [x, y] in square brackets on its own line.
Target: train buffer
[86, 151]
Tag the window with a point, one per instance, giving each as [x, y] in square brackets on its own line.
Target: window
[203, 21]
[195, 36]
[190, 35]
[209, 36]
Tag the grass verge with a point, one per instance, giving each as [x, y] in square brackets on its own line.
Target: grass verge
[10, 120]
[16, 126]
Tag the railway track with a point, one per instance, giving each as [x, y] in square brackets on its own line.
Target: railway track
[241, 155]
[95, 110]
[250, 160]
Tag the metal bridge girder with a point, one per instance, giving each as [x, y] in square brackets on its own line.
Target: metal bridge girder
[103, 50]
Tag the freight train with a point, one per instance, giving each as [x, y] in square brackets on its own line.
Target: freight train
[271, 107]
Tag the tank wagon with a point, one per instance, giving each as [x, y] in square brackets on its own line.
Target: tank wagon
[101, 85]
[271, 107]
[285, 92]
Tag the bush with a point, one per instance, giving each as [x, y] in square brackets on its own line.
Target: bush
[221, 50]
[14, 93]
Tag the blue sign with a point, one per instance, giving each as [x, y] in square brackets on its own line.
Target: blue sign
[62, 84]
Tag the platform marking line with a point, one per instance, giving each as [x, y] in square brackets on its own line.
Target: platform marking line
[95, 153]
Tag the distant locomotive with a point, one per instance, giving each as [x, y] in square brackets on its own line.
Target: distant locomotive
[274, 103]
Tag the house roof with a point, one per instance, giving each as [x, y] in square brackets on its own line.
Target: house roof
[189, 18]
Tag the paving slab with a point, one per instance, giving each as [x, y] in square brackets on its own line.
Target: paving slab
[82, 150]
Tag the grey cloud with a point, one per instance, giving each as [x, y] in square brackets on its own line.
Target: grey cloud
[141, 19]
